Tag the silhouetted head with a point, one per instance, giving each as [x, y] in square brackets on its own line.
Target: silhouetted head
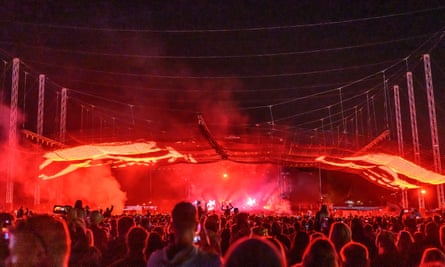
[432, 255]
[136, 238]
[404, 241]
[154, 242]
[184, 222]
[212, 223]
[320, 253]
[40, 240]
[78, 204]
[324, 208]
[123, 225]
[96, 217]
[354, 254]
[340, 234]
[254, 252]
[385, 242]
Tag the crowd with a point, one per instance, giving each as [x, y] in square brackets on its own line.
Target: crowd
[190, 236]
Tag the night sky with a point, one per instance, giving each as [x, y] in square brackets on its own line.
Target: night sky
[156, 58]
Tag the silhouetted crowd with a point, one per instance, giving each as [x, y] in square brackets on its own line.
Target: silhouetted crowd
[191, 236]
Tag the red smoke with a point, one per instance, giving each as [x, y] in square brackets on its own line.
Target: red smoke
[95, 186]
[205, 182]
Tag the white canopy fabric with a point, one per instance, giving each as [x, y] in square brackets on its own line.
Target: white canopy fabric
[383, 169]
[386, 170]
[114, 154]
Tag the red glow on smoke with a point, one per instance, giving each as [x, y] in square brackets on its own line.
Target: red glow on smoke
[165, 185]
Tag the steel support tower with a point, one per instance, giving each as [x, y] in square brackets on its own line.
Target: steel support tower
[12, 132]
[40, 118]
[433, 126]
[62, 128]
[398, 120]
[413, 120]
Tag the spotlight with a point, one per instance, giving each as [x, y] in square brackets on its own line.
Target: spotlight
[211, 205]
[251, 202]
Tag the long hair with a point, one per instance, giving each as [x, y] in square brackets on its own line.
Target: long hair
[254, 252]
[320, 253]
[339, 235]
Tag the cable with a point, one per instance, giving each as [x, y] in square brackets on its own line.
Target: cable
[325, 107]
[325, 117]
[126, 104]
[247, 90]
[219, 77]
[289, 53]
[346, 85]
[284, 102]
[120, 116]
[359, 80]
[267, 28]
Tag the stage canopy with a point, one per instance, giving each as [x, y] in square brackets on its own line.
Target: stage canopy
[386, 170]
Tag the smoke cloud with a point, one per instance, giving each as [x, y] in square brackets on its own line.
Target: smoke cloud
[97, 187]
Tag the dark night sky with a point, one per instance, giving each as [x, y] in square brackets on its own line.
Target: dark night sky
[235, 61]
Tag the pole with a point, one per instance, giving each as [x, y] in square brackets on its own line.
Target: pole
[433, 126]
[398, 120]
[62, 128]
[12, 131]
[413, 117]
[40, 117]
[41, 104]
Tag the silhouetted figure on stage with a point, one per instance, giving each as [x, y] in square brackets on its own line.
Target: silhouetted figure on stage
[20, 212]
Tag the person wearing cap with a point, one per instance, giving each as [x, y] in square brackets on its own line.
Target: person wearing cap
[183, 252]
[99, 234]
[40, 240]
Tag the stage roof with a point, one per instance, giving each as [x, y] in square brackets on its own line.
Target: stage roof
[372, 161]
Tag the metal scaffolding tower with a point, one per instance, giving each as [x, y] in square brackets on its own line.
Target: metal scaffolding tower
[413, 117]
[40, 117]
[400, 137]
[62, 129]
[62, 137]
[398, 120]
[414, 130]
[12, 130]
[433, 126]
[41, 104]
